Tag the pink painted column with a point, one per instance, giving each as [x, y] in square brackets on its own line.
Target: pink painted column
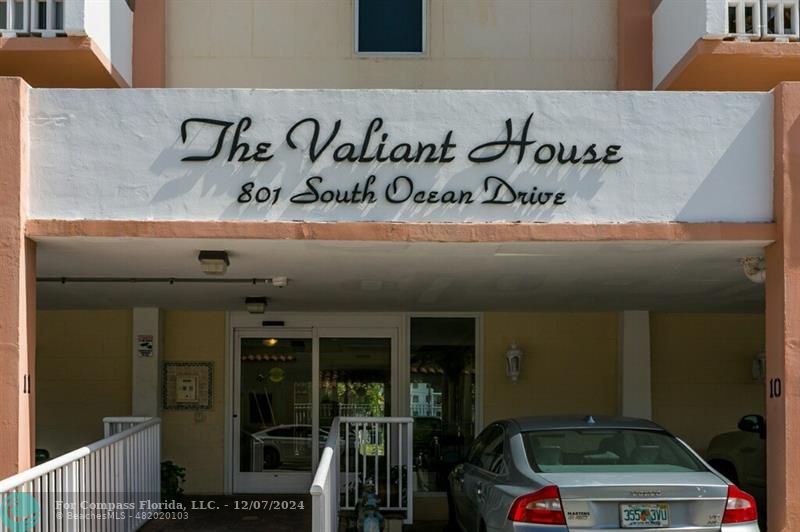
[17, 285]
[634, 45]
[783, 320]
[149, 44]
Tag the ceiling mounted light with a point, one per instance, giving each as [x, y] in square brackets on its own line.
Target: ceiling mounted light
[214, 262]
[256, 305]
[270, 342]
[754, 268]
[279, 282]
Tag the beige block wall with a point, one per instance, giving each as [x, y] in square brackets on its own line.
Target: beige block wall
[472, 44]
[569, 367]
[83, 373]
[196, 439]
[701, 372]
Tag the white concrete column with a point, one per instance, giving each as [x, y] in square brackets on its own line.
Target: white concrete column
[146, 352]
[634, 364]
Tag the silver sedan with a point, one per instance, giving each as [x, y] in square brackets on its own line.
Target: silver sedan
[569, 473]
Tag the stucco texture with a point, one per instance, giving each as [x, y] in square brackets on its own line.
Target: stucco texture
[83, 373]
[569, 367]
[472, 44]
[196, 439]
[702, 381]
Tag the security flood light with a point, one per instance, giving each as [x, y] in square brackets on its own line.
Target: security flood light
[214, 262]
[280, 282]
[256, 305]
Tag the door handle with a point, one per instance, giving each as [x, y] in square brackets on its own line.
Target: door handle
[479, 491]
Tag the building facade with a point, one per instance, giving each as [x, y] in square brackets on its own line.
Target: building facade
[409, 205]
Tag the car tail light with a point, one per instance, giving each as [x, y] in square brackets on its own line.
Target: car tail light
[740, 507]
[542, 507]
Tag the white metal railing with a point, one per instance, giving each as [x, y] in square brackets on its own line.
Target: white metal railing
[115, 425]
[14, 17]
[762, 19]
[81, 489]
[302, 411]
[780, 19]
[37, 17]
[325, 486]
[361, 451]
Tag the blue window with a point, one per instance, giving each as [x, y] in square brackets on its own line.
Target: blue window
[390, 26]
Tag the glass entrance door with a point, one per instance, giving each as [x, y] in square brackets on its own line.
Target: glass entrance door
[355, 377]
[289, 385]
[356, 369]
[273, 406]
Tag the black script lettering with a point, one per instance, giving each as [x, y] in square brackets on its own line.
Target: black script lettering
[314, 150]
[379, 153]
[611, 156]
[401, 152]
[430, 148]
[573, 156]
[590, 155]
[243, 125]
[262, 148]
[560, 199]
[545, 159]
[345, 152]
[399, 190]
[446, 145]
[261, 154]
[360, 192]
[367, 196]
[222, 124]
[374, 127]
[503, 194]
[520, 144]
[246, 196]
[311, 195]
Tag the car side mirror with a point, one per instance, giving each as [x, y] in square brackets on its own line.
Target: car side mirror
[753, 423]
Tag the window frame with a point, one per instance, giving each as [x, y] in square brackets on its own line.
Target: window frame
[359, 53]
[502, 454]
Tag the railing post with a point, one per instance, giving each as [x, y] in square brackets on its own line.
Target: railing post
[409, 473]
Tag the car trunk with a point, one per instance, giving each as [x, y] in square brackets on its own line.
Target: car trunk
[641, 500]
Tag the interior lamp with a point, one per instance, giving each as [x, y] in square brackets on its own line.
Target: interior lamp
[214, 262]
[256, 305]
[513, 362]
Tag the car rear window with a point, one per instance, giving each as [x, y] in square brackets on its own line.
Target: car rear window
[607, 450]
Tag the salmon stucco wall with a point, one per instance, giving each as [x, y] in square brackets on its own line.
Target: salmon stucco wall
[83, 374]
[196, 439]
[702, 363]
[569, 367]
[479, 44]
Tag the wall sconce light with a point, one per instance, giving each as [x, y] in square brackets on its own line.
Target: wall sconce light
[754, 268]
[214, 262]
[513, 362]
[256, 305]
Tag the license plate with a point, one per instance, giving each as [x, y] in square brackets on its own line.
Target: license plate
[644, 515]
